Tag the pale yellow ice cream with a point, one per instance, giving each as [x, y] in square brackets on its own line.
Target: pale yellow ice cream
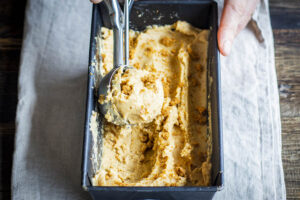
[136, 96]
[172, 147]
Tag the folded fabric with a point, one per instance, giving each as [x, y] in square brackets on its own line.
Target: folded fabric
[51, 107]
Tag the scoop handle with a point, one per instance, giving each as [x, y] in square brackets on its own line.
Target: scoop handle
[118, 47]
[116, 18]
[126, 31]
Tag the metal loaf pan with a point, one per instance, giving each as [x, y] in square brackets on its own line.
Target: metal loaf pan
[201, 14]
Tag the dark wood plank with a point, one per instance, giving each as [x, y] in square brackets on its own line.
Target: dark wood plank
[291, 155]
[8, 105]
[285, 14]
[285, 18]
[287, 54]
[7, 146]
[8, 83]
[7, 128]
[6, 149]
[12, 18]
[9, 60]
[288, 37]
[10, 43]
[11, 31]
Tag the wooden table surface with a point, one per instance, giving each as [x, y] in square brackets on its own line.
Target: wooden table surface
[285, 16]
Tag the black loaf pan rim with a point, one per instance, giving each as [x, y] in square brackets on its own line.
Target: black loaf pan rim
[218, 180]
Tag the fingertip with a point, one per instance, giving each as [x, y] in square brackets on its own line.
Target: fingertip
[224, 41]
[226, 47]
[95, 1]
[220, 42]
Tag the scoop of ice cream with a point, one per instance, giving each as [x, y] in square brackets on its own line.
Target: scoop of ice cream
[136, 97]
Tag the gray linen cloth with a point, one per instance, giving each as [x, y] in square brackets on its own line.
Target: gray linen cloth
[51, 107]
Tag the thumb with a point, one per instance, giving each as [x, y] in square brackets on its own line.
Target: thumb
[233, 14]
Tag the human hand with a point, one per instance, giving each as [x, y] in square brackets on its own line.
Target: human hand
[236, 15]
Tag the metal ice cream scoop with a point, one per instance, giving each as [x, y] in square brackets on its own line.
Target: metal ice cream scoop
[120, 25]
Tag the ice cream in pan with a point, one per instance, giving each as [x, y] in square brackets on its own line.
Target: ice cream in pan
[164, 99]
